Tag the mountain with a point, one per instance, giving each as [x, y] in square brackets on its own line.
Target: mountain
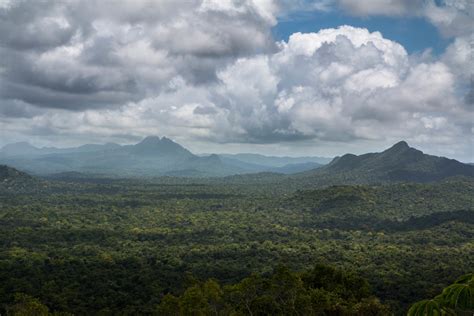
[396, 164]
[164, 147]
[15, 181]
[8, 174]
[273, 161]
[85, 148]
[276, 166]
[153, 156]
[296, 167]
[21, 148]
[26, 149]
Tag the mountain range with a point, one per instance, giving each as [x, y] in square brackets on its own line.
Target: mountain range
[155, 156]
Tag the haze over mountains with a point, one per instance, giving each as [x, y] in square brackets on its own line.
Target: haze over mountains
[155, 156]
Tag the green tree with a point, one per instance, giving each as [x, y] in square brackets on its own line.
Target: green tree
[169, 306]
[25, 305]
[456, 299]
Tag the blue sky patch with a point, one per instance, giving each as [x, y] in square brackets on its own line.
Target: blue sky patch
[416, 34]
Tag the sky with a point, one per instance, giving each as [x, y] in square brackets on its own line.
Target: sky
[279, 77]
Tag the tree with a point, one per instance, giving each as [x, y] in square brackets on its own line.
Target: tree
[169, 306]
[25, 305]
[456, 299]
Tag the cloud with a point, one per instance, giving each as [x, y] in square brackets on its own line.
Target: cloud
[458, 56]
[451, 17]
[337, 85]
[121, 72]
[381, 7]
[83, 54]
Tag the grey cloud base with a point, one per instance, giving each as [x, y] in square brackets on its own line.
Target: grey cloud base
[210, 72]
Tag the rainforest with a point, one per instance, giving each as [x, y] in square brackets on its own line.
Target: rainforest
[251, 244]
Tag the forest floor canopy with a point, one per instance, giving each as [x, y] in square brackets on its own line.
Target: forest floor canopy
[133, 246]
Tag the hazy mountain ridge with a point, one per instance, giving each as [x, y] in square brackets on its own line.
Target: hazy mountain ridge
[153, 156]
[25, 148]
[275, 161]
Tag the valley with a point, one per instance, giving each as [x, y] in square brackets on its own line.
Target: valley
[87, 244]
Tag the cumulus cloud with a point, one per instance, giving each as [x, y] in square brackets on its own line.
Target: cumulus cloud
[102, 72]
[83, 54]
[381, 7]
[452, 18]
[335, 85]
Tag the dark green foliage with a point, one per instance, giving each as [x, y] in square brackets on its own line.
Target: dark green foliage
[321, 291]
[124, 246]
[25, 305]
[346, 285]
[456, 299]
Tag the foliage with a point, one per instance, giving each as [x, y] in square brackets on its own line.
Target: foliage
[25, 305]
[127, 246]
[321, 291]
[456, 299]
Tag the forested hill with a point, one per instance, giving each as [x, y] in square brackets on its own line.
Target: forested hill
[15, 181]
[396, 164]
[11, 174]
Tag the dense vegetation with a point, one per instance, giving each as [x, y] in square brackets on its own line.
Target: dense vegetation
[320, 291]
[129, 246]
[456, 299]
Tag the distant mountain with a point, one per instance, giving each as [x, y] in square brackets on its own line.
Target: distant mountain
[85, 148]
[163, 147]
[398, 163]
[274, 161]
[296, 167]
[26, 149]
[21, 148]
[274, 164]
[153, 156]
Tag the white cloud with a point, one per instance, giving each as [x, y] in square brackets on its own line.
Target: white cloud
[451, 17]
[340, 85]
[381, 7]
[141, 68]
[458, 56]
[60, 54]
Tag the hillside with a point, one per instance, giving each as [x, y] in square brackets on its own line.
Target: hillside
[15, 181]
[378, 207]
[399, 163]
